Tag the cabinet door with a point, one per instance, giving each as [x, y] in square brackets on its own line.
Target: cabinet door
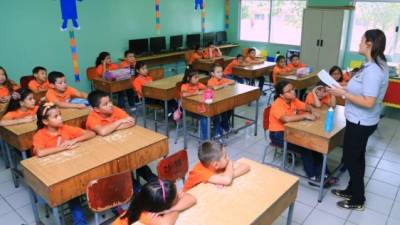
[311, 33]
[331, 34]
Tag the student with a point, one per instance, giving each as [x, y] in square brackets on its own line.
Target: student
[40, 82]
[104, 64]
[52, 137]
[217, 81]
[228, 71]
[287, 108]
[130, 63]
[295, 63]
[21, 109]
[191, 86]
[158, 203]
[337, 74]
[211, 52]
[196, 55]
[142, 78]
[106, 118]
[214, 167]
[7, 87]
[319, 97]
[251, 59]
[280, 69]
[63, 95]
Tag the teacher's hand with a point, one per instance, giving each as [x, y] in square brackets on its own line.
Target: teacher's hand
[337, 91]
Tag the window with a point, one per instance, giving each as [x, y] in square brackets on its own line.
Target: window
[275, 21]
[382, 15]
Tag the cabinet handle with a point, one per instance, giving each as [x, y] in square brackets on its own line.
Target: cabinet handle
[318, 42]
[322, 43]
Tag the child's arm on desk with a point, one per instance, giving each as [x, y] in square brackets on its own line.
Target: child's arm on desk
[81, 94]
[70, 105]
[240, 169]
[117, 125]
[187, 94]
[27, 119]
[224, 178]
[185, 201]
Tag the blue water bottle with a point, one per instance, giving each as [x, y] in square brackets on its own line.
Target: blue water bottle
[329, 120]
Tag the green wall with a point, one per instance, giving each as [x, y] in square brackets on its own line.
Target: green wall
[30, 33]
[329, 2]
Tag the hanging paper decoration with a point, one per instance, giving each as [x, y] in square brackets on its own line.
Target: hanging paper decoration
[227, 12]
[74, 54]
[158, 15]
[203, 17]
[69, 12]
[198, 4]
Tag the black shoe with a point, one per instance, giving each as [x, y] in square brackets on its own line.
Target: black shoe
[347, 204]
[341, 194]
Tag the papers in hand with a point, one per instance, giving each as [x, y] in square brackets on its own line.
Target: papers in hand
[327, 79]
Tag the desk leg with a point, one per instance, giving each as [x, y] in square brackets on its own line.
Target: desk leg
[32, 196]
[12, 166]
[208, 128]
[144, 112]
[290, 214]
[4, 153]
[56, 216]
[284, 155]
[233, 118]
[166, 117]
[184, 129]
[24, 156]
[256, 119]
[321, 184]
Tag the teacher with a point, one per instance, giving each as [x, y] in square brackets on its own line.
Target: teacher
[363, 94]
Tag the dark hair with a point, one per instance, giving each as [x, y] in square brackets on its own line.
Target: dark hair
[209, 151]
[215, 66]
[196, 47]
[95, 96]
[294, 56]
[37, 69]
[238, 56]
[7, 83]
[279, 58]
[209, 43]
[155, 196]
[101, 57]
[378, 40]
[189, 73]
[43, 113]
[279, 88]
[128, 52]
[139, 65]
[333, 69]
[250, 50]
[54, 75]
[14, 104]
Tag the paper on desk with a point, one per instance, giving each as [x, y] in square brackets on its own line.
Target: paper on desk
[327, 79]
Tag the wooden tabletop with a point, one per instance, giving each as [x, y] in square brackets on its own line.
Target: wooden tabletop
[300, 82]
[111, 86]
[63, 176]
[224, 99]
[253, 71]
[258, 197]
[311, 134]
[20, 135]
[207, 64]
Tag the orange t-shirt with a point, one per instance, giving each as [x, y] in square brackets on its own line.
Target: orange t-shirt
[278, 70]
[199, 174]
[144, 218]
[213, 81]
[33, 85]
[194, 57]
[229, 68]
[206, 53]
[188, 88]
[346, 77]
[53, 96]
[5, 92]
[125, 64]
[138, 83]
[324, 101]
[280, 108]
[291, 66]
[43, 139]
[100, 69]
[18, 114]
[95, 119]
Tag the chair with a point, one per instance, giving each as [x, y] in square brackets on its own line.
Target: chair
[91, 75]
[188, 54]
[109, 192]
[266, 114]
[174, 167]
[24, 80]
[245, 52]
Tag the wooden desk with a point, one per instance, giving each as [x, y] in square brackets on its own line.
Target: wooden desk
[207, 64]
[224, 99]
[111, 86]
[164, 90]
[258, 197]
[300, 83]
[311, 135]
[63, 176]
[253, 71]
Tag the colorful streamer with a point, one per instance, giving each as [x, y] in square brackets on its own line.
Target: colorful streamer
[74, 54]
[203, 17]
[227, 12]
[158, 15]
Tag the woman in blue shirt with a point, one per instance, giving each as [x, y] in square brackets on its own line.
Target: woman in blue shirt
[363, 94]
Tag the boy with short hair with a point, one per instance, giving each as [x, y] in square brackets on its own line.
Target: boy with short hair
[228, 71]
[40, 82]
[295, 62]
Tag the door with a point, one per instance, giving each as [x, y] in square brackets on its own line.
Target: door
[310, 36]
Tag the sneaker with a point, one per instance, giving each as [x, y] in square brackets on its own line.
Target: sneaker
[347, 204]
[341, 194]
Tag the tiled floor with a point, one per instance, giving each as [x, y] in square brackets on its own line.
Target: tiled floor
[382, 179]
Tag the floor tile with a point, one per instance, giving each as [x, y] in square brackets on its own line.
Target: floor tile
[5, 175]
[391, 156]
[301, 211]
[4, 207]
[26, 213]
[7, 188]
[389, 166]
[367, 217]
[378, 203]
[315, 218]
[307, 195]
[395, 213]
[393, 221]
[386, 176]
[382, 189]
[11, 218]
[371, 161]
[328, 205]
[18, 199]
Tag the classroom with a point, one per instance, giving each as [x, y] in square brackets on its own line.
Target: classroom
[200, 112]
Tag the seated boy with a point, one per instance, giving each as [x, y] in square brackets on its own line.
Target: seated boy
[62, 95]
[214, 167]
[40, 83]
[228, 71]
[211, 52]
[295, 62]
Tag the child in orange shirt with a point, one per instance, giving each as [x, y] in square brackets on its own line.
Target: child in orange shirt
[211, 52]
[62, 95]
[196, 55]
[228, 71]
[280, 69]
[21, 109]
[214, 167]
[52, 137]
[128, 62]
[251, 59]
[40, 83]
[104, 64]
[319, 97]
[337, 74]
[287, 108]
[295, 63]
[7, 87]
[158, 203]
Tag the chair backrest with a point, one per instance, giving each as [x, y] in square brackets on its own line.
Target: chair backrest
[157, 74]
[174, 166]
[91, 73]
[267, 111]
[245, 52]
[108, 192]
[24, 80]
[188, 54]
